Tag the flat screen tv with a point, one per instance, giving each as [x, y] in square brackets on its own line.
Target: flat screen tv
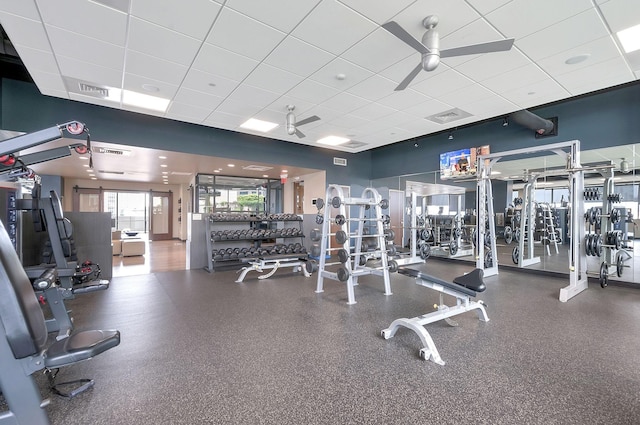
[460, 163]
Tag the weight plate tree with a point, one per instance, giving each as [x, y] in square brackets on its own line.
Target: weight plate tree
[351, 239]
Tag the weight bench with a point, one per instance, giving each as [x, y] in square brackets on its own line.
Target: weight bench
[274, 263]
[463, 288]
[23, 343]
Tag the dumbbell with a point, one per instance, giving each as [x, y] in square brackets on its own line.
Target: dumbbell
[343, 274]
[614, 197]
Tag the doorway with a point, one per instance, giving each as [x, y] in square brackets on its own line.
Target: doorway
[160, 225]
[298, 197]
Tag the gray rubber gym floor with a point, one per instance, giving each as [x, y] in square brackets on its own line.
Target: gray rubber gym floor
[198, 348]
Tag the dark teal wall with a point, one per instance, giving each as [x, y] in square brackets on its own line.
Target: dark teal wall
[607, 119]
[23, 108]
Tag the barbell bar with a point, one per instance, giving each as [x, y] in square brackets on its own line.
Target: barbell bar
[341, 219]
[336, 202]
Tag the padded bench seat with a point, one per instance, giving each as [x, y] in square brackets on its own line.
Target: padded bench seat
[133, 247]
[469, 284]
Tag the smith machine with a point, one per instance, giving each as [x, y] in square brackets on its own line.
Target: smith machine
[488, 261]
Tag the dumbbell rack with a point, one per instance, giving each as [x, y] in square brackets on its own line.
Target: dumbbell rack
[350, 271]
[237, 234]
[523, 255]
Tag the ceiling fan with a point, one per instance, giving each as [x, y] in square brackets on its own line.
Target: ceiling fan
[292, 125]
[430, 47]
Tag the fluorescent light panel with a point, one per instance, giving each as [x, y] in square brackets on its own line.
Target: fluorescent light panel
[132, 98]
[258, 125]
[333, 140]
[630, 38]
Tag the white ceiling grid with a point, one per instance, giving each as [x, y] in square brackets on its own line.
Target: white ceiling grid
[223, 62]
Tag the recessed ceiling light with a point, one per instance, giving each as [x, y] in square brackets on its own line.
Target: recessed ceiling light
[265, 175]
[630, 38]
[495, 173]
[284, 171]
[216, 171]
[164, 165]
[577, 59]
[94, 178]
[333, 140]
[212, 84]
[165, 172]
[258, 125]
[340, 76]
[150, 87]
[162, 157]
[89, 170]
[231, 165]
[85, 165]
[83, 157]
[140, 100]
[166, 182]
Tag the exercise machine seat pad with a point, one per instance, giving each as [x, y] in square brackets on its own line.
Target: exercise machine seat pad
[469, 283]
[472, 280]
[80, 346]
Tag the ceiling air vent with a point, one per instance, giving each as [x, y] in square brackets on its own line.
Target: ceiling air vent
[340, 161]
[85, 88]
[110, 172]
[446, 117]
[96, 90]
[180, 173]
[257, 168]
[117, 152]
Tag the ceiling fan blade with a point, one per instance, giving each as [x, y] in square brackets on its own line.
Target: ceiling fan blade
[307, 120]
[474, 49]
[300, 134]
[395, 29]
[407, 80]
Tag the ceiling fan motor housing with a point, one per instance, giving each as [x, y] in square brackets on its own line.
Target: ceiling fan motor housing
[291, 123]
[431, 40]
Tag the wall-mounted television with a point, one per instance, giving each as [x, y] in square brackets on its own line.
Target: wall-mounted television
[460, 163]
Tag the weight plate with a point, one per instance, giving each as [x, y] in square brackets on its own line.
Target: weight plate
[343, 255]
[457, 232]
[315, 235]
[311, 266]
[341, 237]
[618, 239]
[391, 250]
[604, 275]
[389, 234]
[425, 234]
[619, 266]
[615, 216]
[592, 215]
[384, 204]
[517, 235]
[598, 216]
[319, 203]
[515, 254]
[487, 238]
[587, 245]
[393, 266]
[508, 234]
[363, 260]
[343, 274]
[336, 202]
[319, 219]
[425, 251]
[386, 219]
[340, 219]
[453, 247]
[488, 259]
[315, 250]
[596, 246]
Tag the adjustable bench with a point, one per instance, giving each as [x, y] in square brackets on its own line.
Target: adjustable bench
[463, 288]
[273, 263]
[23, 343]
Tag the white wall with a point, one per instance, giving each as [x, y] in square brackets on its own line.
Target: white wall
[315, 186]
[179, 191]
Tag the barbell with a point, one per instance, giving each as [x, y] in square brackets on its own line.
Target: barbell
[336, 202]
[344, 255]
[594, 215]
[341, 219]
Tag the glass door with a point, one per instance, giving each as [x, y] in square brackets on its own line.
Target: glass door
[161, 216]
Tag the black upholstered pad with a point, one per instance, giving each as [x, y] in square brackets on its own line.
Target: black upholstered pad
[475, 281]
[472, 280]
[80, 346]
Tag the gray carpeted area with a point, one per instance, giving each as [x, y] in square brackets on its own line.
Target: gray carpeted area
[198, 348]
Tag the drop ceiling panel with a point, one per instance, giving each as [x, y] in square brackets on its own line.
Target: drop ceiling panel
[348, 121]
[621, 14]
[488, 66]
[403, 99]
[442, 83]
[225, 120]
[373, 88]
[155, 68]
[333, 27]
[469, 94]
[193, 17]
[209, 83]
[273, 79]
[86, 49]
[89, 72]
[553, 40]
[154, 40]
[222, 62]
[353, 74]
[427, 108]
[312, 91]
[243, 35]
[520, 18]
[296, 56]
[187, 112]
[600, 50]
[234, 107]
[253, 96]
[25, 9]
[137, 83]
[546, 90]
[519, 78]
[48, 81]
[491, 107]
[378, 51]
[282, 101]
[28, 32]
[37, 60]
[476, 32]
[345, 102]
[458, 14]
[373, 111]
[486, 6]
[111, 27]
[196, 98]
[93, 100]
[612, 72]
[280, 14]
[380, 12]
